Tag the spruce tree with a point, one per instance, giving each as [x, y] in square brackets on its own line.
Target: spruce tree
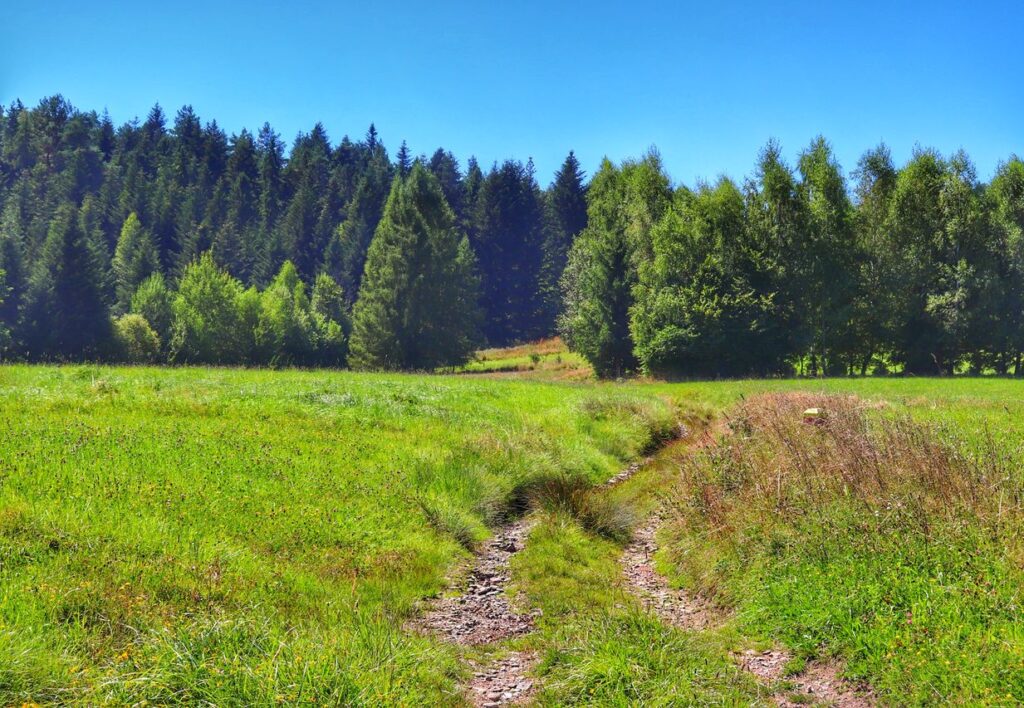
[509, 246]
[604, 262]
[446, 168]
[135, 259]
[417, 306]
[403, 160]
[345, 256]
[65, 313]
[565, 218]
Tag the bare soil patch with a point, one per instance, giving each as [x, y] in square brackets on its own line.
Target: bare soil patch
[503, 682]
[482, 613]
[672, 606]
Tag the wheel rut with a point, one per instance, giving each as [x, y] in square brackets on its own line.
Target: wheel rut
[482, 613]
[818, 683]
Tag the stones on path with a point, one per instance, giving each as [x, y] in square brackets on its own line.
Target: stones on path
[482, 613]
[818, 683]
[672, 606]
[503, 682]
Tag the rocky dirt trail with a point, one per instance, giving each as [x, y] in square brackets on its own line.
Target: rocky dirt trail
[818, 683]
[482, 614]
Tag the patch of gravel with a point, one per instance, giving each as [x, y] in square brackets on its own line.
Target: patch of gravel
[819, 682]
[675, 607]
[482, 613]
[503, 682]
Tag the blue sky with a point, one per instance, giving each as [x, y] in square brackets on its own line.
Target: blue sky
[707, 83]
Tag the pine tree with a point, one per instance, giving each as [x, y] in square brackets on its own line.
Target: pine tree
[509, 241]
[446, 168]
[417, 305]
[602, 272]
[596, 282]
[565, 218]
[234, 244]
[308, 173]
[135, 259]
[345, 256]
[403, 160]
[65, 314]
[12, 262]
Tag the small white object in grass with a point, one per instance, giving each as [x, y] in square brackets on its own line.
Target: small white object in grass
[812, 415]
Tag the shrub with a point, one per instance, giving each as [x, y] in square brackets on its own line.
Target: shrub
[137, 343]
[153, 302]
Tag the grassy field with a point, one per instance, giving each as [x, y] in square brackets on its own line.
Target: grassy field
[548, 360]
[248, 537]
[199, 535]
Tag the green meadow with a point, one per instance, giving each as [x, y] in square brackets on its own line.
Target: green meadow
[229, 537]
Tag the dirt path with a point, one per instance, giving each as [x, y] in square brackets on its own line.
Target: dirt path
[482, 614]
[819, 682]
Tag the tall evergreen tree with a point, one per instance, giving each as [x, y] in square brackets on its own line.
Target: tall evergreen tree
[308, 173]
[65, 313]
[403, 160]
[135, 259]
[345, 256]
[508, 242]
[446, 168]
[565, 218]
[417, 305]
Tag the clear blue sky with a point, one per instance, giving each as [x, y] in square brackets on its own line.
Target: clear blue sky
[707, 82]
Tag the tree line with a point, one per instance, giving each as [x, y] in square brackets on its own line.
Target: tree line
[918, 269]
[168, 241]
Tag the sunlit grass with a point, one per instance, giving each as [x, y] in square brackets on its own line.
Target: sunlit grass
[222, 536]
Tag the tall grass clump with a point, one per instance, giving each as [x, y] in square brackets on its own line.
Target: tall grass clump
[891, 543]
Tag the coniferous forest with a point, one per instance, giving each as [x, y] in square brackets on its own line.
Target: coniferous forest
[166, 240]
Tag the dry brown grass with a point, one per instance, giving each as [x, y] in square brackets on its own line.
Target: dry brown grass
[884, 461]
[554, 345]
